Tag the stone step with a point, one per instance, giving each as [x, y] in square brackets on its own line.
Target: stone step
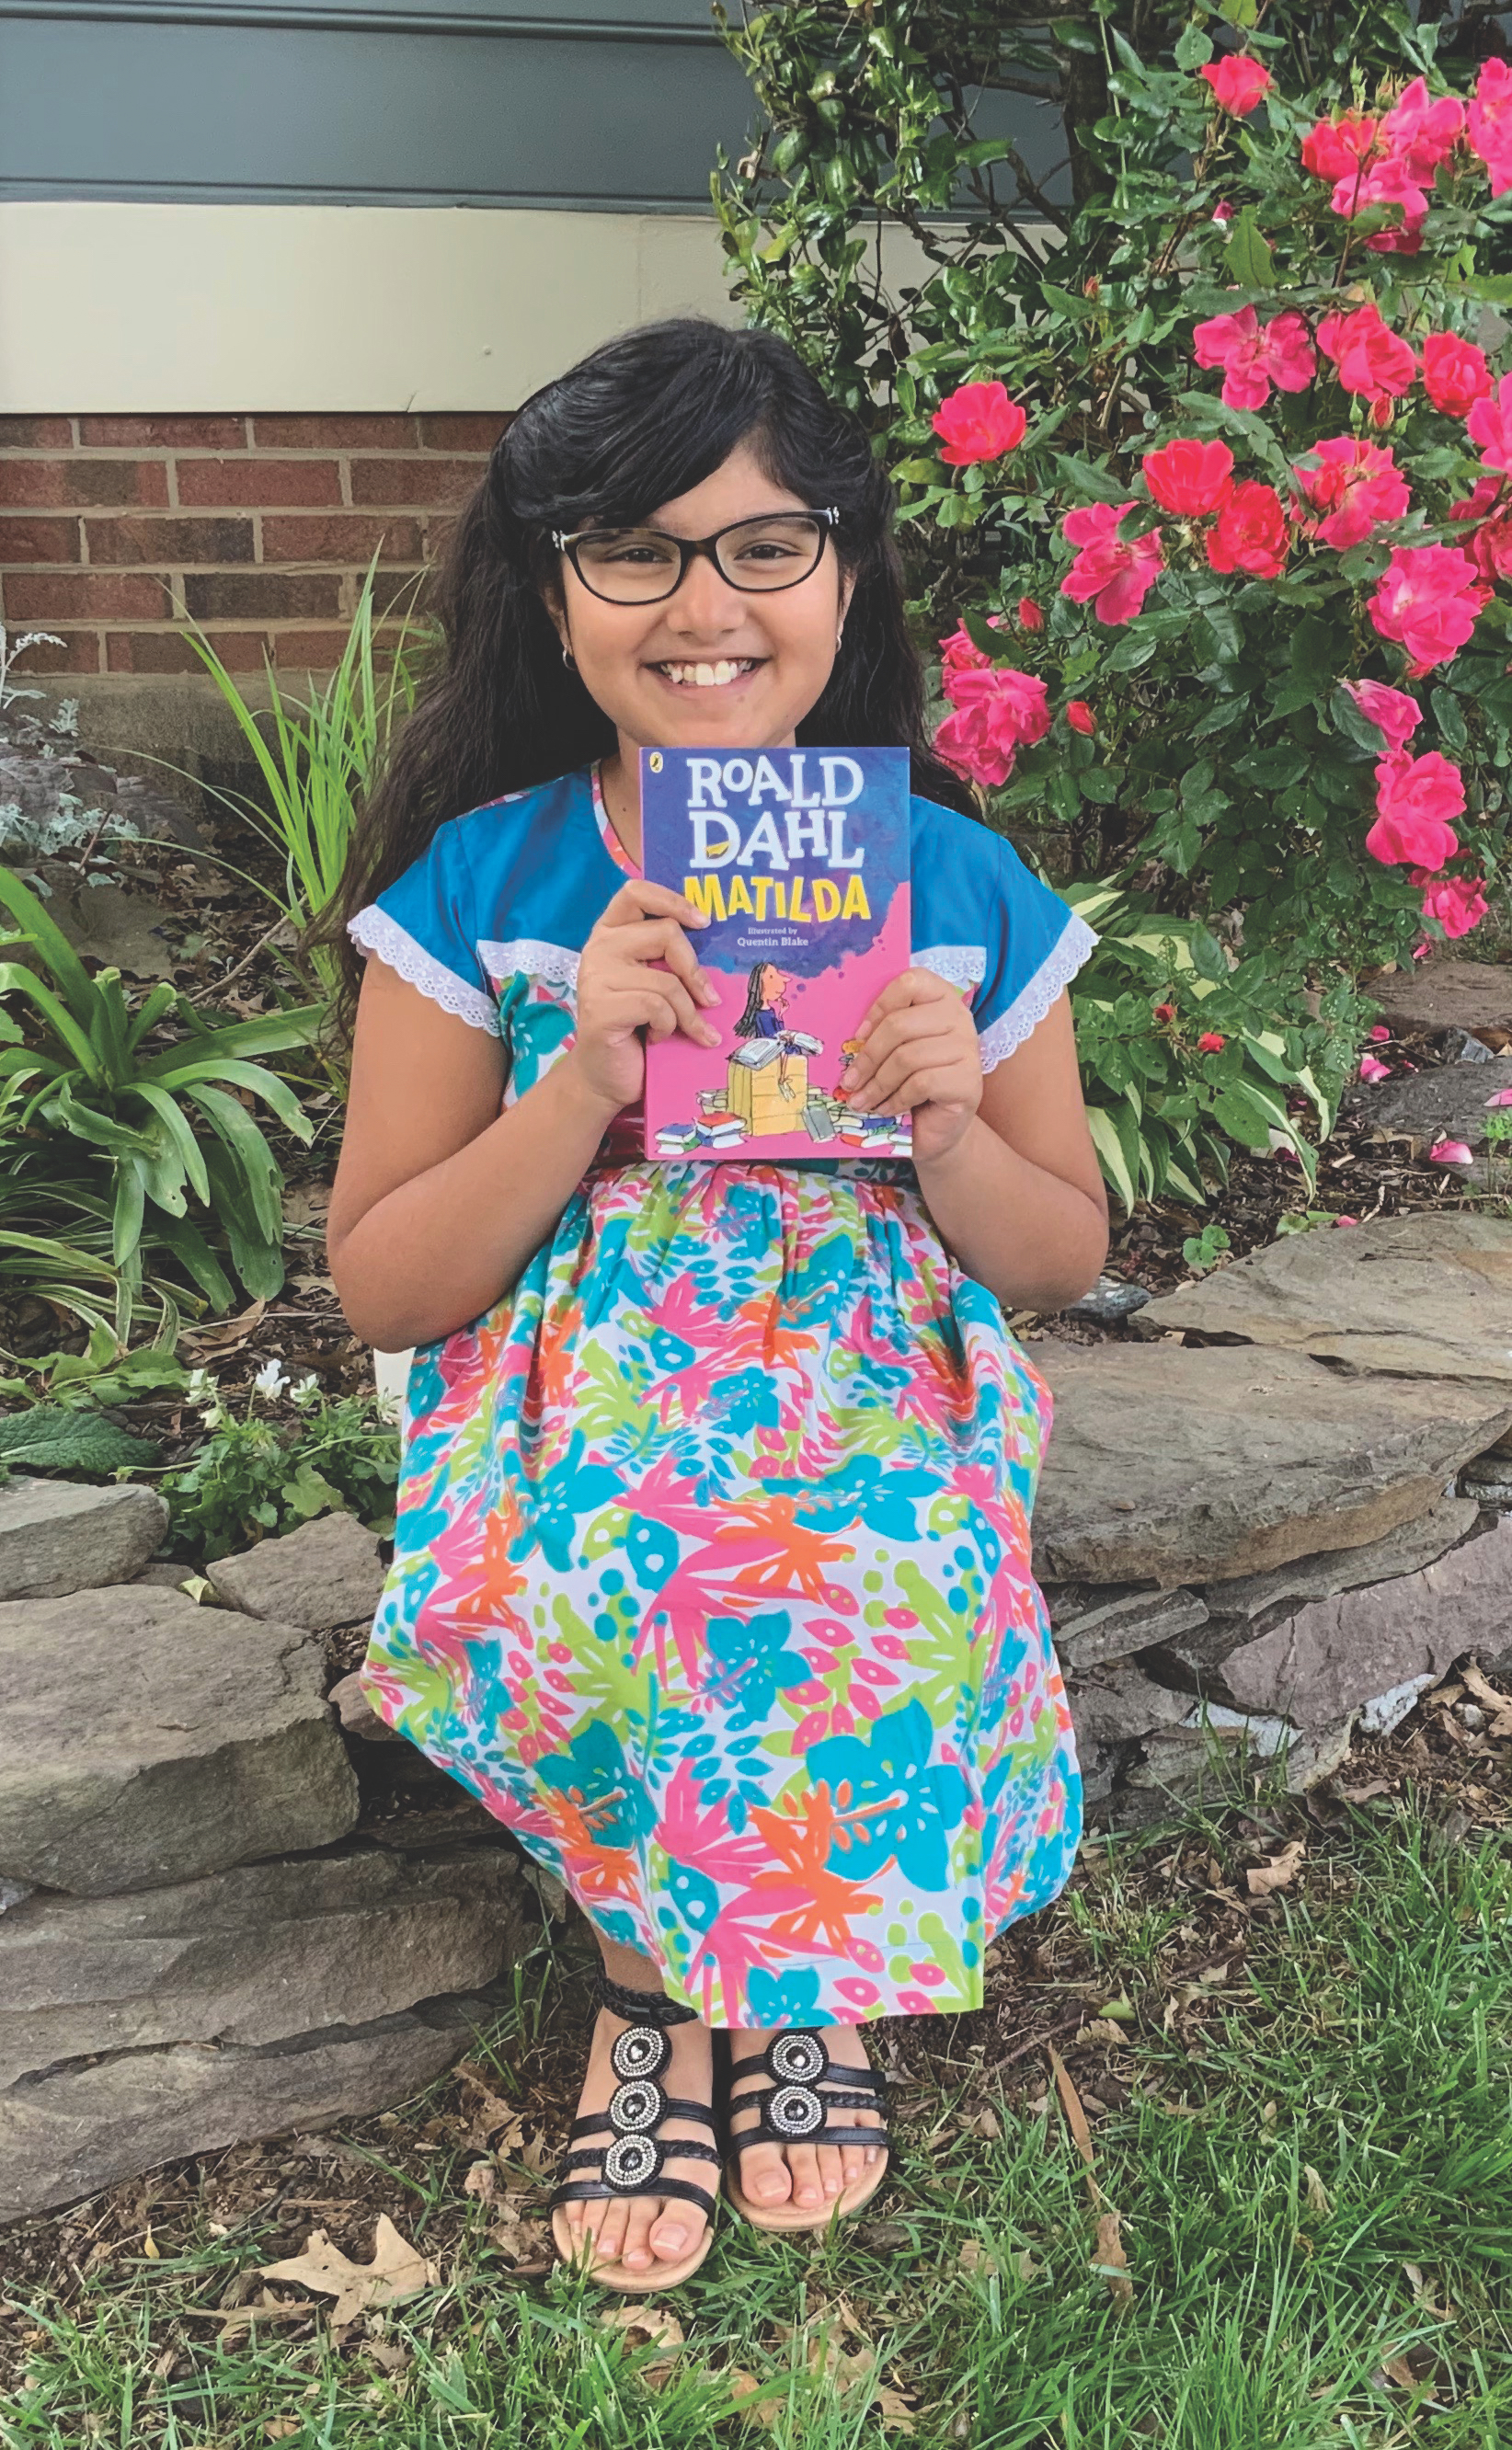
[57, 1537]
[251, 1955]
[148, 1741]
[1172, 1466]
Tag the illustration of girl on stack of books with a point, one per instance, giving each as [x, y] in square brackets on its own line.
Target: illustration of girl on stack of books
[711, 1577]
[763, 1022]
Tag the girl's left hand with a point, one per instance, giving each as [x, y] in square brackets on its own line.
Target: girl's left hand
[919, 1054]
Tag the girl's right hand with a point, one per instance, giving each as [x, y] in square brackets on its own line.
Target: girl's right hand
[620, 993]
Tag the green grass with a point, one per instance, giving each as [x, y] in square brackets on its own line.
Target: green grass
[1313, 2178]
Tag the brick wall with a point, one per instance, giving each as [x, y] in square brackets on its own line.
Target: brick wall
[115, 530]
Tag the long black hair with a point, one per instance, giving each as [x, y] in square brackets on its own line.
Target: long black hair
[639, 423]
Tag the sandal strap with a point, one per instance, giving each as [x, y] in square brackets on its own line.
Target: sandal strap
[590, 2155]
[639, 2006]
[672, 2108]
[588, 2190]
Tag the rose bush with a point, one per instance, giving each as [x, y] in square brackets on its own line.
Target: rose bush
[1237, 431]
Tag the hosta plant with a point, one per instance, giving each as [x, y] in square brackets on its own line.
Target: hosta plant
[164, 1127]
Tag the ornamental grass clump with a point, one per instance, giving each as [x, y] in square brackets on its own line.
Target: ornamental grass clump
[1236, 431]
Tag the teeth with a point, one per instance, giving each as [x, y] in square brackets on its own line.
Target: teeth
[706, 675]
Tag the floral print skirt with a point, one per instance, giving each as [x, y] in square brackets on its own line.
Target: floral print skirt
[711, 1582]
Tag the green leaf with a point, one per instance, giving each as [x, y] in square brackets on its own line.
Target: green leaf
[54, 1438]
[1193, 48]
[1251, 256]
[1106, 1140]
[1452, 722]
[1242, 1116]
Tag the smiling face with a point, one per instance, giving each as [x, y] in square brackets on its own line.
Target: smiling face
[709, 667]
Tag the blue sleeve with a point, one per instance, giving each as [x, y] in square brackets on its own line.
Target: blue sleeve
[425, 926]
[986, 921]
[1035, 948]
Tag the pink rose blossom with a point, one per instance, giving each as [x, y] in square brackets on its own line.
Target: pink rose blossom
[1427, 601]
[1395, 715]
[1357, 483]
[1118, 575]
[1457, 903]
[1370, 358]
[1080, 717]
[1417, 799]
[1222, 215]
[1449, 1153]
[1490, 424]
[1423, 133]
[1455, 373]
[1386, 182]
[1372, 1069]
[1488, 122]
[1030, 616]
[1489, 544]
[1249, 533]
[1253, 358]
[995, 711]
[959, 653]
[979, 422]
[1334, 148]
[1239, 82]
[1189, 477]
[1210, 1042]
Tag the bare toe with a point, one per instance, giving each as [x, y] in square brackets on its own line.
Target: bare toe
[636, 2252]
[675, 2233]
[804, 2162]
[765, 2174]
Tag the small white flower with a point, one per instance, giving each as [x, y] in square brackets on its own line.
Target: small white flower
[270, 1380]
[307, 1392]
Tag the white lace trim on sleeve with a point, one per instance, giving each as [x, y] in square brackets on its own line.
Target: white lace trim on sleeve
[374, 931]
[1008, 1032]
[532, 957]
[964, 965]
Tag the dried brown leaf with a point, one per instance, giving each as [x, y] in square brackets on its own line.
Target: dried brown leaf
[896, 2416]
[1112, 2262]
[652, 2323]
[1279, 1872]
[973, 2256]
[480, 2181]
[397, 2271]
[755, 2403]
[1319, 2202]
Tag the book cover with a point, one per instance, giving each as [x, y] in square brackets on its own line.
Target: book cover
[799, 856]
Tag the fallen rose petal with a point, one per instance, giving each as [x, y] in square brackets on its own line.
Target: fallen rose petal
[1345, 1220]
[1380, 1032]
[1449, 1153]
[1372, 1070]
[1502, 1098]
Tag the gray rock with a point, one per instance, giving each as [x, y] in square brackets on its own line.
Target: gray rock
[251, 1955]
[149, 1740]
[1473, 1050]
[1239, 1610]
[1188, 1761]
[465, 1822]
[1448, 993]
[1089, 1636]
[1424, 1293]
[78, 2127]
[325, 1573]
[57, 1536]
[356, 1713]
[1110, 1300]
[1384, 1714]
[1338, 1654]
[1117, 1704]
[1445, 1103]
[1173, 1465]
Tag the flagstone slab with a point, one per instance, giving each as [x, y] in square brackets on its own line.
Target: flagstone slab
[1169, 1465]
[1448, 1103]
[1422, 1293]
[252, 1955]
[149, 1740]
[77, 2127]
[58, 1536]
[1450, 993]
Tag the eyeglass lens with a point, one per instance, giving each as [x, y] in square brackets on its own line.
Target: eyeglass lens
[637, 565]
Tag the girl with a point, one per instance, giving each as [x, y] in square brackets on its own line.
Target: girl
[712, 1572]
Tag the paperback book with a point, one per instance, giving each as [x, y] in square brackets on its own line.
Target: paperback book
[800, 858]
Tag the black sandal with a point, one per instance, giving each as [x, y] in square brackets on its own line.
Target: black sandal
[632, 2161]
[792, 2109]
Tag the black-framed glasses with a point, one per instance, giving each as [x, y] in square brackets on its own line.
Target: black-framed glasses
[645, 565]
